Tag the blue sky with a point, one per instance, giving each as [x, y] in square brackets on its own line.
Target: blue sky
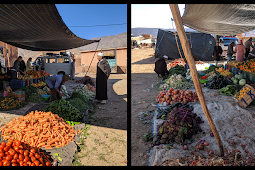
[152, 15]
[94, 14]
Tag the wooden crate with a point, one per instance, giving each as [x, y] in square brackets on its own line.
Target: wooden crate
[248, 98]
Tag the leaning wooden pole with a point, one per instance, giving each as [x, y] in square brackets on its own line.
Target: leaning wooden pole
[193, 71]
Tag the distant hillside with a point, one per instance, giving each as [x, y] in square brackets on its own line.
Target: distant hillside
[111, 41]
[152, 31]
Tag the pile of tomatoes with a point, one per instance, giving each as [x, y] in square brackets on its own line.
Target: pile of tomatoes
[16, 153]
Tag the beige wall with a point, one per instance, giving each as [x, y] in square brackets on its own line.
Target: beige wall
[12, 52]
[86, 58]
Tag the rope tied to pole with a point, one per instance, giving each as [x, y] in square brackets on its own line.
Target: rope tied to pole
[93, 57]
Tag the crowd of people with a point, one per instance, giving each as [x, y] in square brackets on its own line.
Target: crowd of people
[54, 82]
[242, 53]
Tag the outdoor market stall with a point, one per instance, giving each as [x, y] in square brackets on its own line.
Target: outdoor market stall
[174, 135]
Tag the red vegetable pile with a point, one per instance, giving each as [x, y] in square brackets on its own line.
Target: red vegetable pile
[182, 124]
[176, 95]
[16, 153]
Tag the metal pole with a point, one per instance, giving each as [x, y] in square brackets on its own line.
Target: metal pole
[188, 55]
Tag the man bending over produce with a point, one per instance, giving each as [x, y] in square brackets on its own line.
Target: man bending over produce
[160, 66]
[54, 83]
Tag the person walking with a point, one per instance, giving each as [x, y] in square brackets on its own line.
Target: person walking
[29, 65]
[217, 53]
[230, 51]
[72, 68]
[42, 64]
[240, 51]
[103, 73]
[161, 67]
[247, 46]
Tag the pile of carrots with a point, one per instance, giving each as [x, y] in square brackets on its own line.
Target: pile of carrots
[40, 129]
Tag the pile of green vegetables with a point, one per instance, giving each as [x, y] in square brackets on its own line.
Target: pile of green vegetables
[176, 70]
[64, 110]
[211, 68]
[229, 90]
[77, 94]
[31, 94]
[34, 98]
[217, 82]
[79, 104]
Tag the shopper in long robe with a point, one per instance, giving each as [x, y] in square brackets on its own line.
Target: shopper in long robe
[72, 68]
[103, 72]
[240, 51]
[217, 53]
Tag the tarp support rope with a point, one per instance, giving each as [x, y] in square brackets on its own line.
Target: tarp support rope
[93, 57]
[176, 39]
[160, 42]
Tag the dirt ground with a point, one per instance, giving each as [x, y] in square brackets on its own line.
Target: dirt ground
[106, 143]
[106, 129]
[143, 92]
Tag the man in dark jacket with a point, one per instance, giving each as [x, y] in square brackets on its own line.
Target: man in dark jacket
[16, 65]
[230, 51]
[103, 73]
[22, 66]
[217, 53]
[160, 66]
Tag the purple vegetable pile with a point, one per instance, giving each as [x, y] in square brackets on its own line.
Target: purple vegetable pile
[181, 124]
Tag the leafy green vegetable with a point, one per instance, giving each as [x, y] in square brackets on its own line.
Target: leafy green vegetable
[176, 70]
[229, 90]
[64, 110]
[35, 98]
[84, 98]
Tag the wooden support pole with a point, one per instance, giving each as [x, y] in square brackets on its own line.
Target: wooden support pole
[188, 55]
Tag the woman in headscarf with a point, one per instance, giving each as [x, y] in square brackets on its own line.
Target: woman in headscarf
[240, 51]
[103, 72]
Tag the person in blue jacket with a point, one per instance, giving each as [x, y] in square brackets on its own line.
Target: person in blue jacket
[54, 83]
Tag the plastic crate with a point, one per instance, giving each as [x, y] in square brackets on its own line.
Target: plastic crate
[17, 84]
[21, 97]
[35, 81]
[235, 71]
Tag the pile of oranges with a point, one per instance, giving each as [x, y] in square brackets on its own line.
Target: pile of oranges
[242, 93]
[10, 103]
[16, 153]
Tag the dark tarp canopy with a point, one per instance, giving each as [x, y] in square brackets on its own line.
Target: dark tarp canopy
[37, 27]
[201, 44]
[220, 19]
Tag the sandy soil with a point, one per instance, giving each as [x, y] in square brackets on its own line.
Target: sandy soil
[106, 144]
[143, 93]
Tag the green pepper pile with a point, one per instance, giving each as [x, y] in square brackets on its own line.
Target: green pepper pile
[229, 90]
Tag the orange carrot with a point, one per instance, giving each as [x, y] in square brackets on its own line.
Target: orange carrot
[37, 127]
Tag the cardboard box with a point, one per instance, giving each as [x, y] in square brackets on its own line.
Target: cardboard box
[248, 97]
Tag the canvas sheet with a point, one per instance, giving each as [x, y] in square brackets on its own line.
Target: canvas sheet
[229, 119]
